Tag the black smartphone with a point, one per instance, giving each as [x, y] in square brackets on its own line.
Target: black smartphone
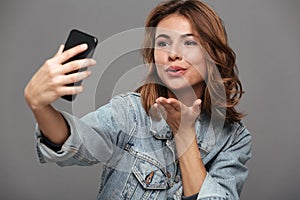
[75, 38]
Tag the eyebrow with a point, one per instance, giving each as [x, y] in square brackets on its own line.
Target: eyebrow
[181, 36]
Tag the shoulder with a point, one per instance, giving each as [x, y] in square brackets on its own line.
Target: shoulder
[129, 95]
[221, 126]
[128, 103]
[238, 134]
[236, 129]
[122, 101]
[130, 99]
[119, 105]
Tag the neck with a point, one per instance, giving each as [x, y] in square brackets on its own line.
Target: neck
[187, 96]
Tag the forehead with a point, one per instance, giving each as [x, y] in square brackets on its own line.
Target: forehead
[174, 24]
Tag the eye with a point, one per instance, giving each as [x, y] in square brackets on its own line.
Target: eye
[190, 43]
[162, 44]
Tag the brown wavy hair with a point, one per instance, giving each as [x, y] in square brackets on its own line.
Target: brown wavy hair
[213, 38]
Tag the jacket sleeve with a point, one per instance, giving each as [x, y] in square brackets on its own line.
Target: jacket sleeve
[98, 137]
[227, 172]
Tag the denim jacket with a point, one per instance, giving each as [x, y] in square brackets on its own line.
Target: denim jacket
[139, 155]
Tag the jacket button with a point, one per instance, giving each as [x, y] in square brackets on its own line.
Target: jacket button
[168, 174]
[149, 177]
[177, 178]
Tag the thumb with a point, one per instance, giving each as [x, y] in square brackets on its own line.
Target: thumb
[197, 106]
[154, 112]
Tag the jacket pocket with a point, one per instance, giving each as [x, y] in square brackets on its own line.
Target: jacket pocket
[145, 179]
[149, 175]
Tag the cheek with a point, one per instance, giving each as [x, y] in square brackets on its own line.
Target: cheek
[160, 57]
[159, 61]
[196, 59]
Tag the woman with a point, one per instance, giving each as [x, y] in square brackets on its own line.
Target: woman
[178, 136]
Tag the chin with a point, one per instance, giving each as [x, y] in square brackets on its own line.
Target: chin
[180, 88]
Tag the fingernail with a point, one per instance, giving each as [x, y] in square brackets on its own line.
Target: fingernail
[84, 46]
[93, 62]
[78, 89]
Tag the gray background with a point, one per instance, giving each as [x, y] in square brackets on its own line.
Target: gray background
[264, 34]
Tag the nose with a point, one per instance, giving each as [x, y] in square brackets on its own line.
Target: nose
[174, 55]
[174, 52]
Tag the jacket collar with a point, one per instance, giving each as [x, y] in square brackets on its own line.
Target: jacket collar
[160, 129]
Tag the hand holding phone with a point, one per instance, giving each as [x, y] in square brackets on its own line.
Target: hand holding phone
[75, 38]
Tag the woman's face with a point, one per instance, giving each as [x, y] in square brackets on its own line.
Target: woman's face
[178, 55]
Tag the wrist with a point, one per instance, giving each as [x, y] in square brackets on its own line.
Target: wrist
[189, 151]
[184, 139]
[185, 134]
[33, 104]
[37, 107]
[29, 99]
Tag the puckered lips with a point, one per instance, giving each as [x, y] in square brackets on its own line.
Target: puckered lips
[175, 71]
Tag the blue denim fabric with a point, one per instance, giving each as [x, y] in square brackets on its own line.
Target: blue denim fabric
[139, 156]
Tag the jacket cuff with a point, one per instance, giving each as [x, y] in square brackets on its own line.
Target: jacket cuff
[211, 188]
[53, 146]
[193, 197]
[48, 151]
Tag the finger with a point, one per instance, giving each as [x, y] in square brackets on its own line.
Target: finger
[161, 111]
[197, 106]
[175, 103]
[159, 107]
[155, 112]
[75, 77]
[160, 100]
[169, 108]
[76, 65]
[70, 90]
[166, 104]
[60, 49]
[66, 55]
